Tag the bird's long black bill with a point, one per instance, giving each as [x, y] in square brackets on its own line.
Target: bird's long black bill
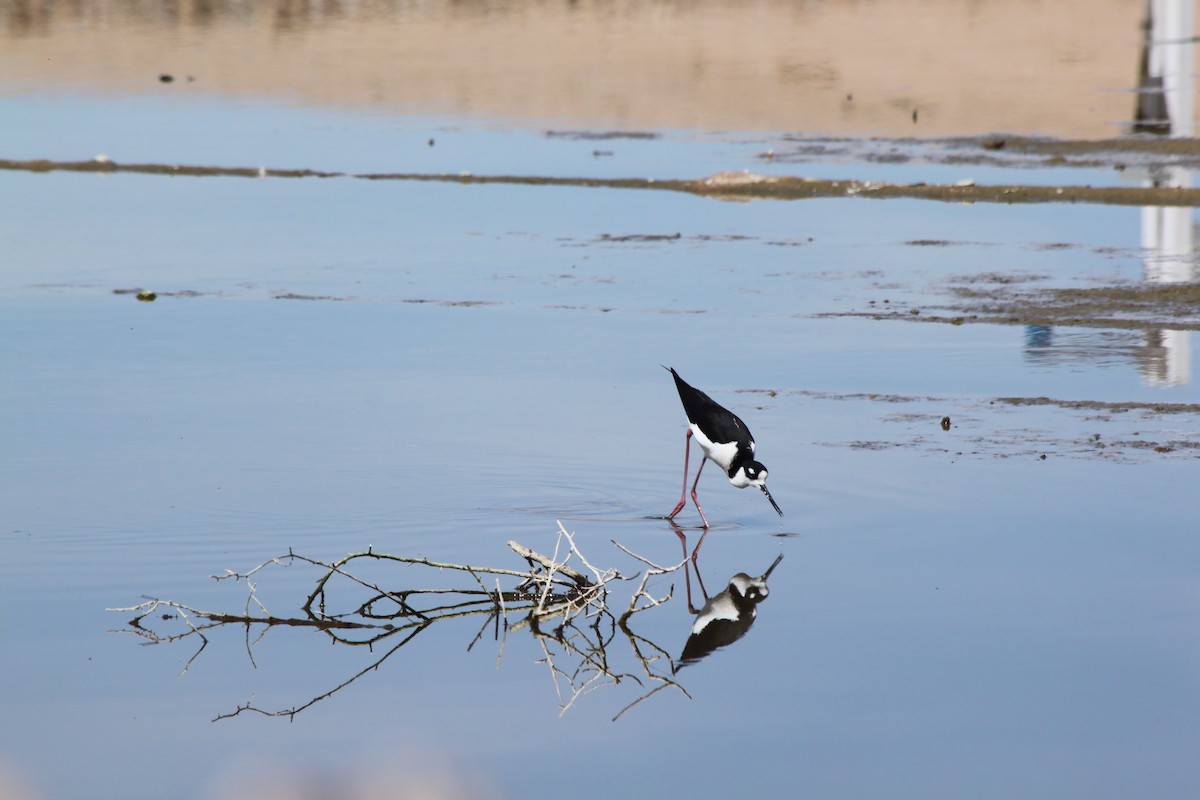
[774, 505]
[771, 568]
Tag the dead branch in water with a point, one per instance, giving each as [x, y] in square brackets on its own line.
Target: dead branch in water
[564, 608]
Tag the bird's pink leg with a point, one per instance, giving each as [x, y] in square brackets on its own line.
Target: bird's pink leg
[687, 449]
[703, 519]
[697, 501]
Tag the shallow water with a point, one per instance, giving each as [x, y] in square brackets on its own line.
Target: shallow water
[1005, 608]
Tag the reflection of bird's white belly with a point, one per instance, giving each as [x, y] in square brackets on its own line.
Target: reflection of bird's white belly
[722, 454]
[720, 607]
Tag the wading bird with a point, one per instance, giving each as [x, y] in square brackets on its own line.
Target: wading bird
[725, 440]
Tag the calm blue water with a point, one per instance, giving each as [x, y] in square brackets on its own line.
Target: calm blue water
[953, 617]
[197, 129]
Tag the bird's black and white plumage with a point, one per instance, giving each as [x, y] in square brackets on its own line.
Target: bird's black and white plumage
[726, 617]
[725, 440]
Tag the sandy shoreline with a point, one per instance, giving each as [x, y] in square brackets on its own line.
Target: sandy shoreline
[900, 68]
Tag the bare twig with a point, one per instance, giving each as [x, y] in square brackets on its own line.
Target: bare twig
[549, 563]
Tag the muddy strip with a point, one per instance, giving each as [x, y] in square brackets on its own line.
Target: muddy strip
[1033, 429]
[996, 150]
[740, 186]
[1141, 306]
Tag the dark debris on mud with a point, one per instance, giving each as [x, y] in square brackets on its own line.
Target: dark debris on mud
[602, 136]
[1033, 428]
[1004, 300]
[1019, 297]
[998, 150]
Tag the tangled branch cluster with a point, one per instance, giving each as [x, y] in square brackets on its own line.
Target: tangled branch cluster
[566, 610]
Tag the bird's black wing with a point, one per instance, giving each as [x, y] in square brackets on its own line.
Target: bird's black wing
[718, 423]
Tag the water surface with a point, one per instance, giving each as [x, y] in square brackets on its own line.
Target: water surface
[1005, 608]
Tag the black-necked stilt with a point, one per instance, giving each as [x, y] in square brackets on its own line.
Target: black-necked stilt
[725, 440]
[726, 617]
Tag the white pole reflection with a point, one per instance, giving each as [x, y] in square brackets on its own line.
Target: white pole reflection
[1168, 233]
[1172, 52]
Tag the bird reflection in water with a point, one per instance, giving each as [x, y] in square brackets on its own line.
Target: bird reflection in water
[726, 617]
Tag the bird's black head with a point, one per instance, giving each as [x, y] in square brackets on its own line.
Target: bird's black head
[749, 473]
[753, 473]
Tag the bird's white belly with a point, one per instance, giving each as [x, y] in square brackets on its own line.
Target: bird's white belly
[721, 454]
